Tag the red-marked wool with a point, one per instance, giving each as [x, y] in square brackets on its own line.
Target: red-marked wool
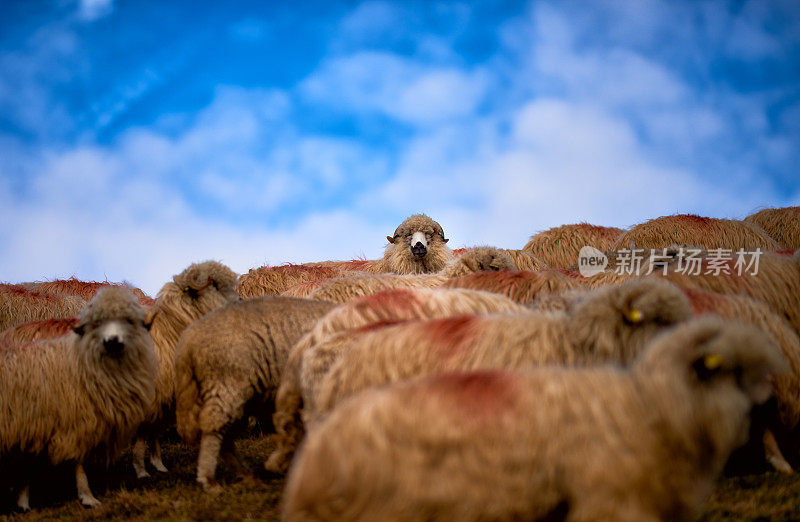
[303, 370]
[696, 231]
[581, 444]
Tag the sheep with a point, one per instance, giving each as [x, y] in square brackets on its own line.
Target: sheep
[521, 286]
[38, 330]
[83, 289]
[704, 232]
[599, 443]
[383, 307]
[343, 289]
[523, 260]
[83, 393]
[782, 224]
[610, 325]
[19, 305]
[199, 289]
[786, 388]
[417, 247]
[558, 247]
[267, 280]
[229, 362]
[775, 283]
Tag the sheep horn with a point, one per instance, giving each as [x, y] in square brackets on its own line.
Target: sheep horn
[197, 281]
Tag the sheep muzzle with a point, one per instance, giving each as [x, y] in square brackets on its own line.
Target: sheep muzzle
[114, 347]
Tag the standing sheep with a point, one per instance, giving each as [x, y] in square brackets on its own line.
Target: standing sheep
[610, 325]
[558, 247]
[83, 392]
[782, 224]
[230, 362]
[383, 307]
[703, 232]
[201, 288]
[19, 305]
[600, 443]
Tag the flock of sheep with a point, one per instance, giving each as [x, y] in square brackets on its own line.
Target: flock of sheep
[431, 384]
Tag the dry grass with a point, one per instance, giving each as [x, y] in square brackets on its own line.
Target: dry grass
[175, 496]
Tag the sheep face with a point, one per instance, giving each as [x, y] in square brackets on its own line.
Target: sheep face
[112, 330]
[615, 323]
[417, 246]
[727, 366]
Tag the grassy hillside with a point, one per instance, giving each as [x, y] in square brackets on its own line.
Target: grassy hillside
[175, 496]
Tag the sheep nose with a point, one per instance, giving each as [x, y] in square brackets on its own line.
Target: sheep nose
[113, 346]
[419, 250]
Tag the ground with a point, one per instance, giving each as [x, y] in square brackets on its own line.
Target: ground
[175, 496]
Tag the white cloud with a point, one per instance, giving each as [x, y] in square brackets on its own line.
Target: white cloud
[90, 10]
[402, 88]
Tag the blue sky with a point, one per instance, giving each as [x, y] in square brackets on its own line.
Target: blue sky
[138, 137]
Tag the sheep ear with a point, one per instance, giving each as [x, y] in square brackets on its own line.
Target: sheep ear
[706, 366]
[390, 239]
[79, 329]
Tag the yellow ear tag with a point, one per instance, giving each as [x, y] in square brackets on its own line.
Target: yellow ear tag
[186, 289]
[712, 362]
[493, 266]
[635, 316]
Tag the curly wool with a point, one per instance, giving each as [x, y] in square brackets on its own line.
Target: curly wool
[558, 247]
[609, 325]
[199, 289]
[600, 443]
[66, 397]
[777, 282]
[230, 361]
[383, 307]
[19, 305]
[703, 232]
[397, 257]
[83, 289]
[522, 286]
[782, 224]
[343, 289]
[274, 280]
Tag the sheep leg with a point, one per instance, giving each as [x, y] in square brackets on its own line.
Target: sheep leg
[155, 456]
[23, 500]
[210, 445]
[234, 461]
[84, 493]
[139, 451]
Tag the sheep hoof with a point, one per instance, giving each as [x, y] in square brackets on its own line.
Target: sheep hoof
[275, 464]
[159, 466]
[23, 502]
[142, 474]
[89, 501]
[210, 486]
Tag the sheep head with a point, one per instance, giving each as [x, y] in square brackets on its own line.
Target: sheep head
[417, 246]
[112, 328]
[616, 322]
